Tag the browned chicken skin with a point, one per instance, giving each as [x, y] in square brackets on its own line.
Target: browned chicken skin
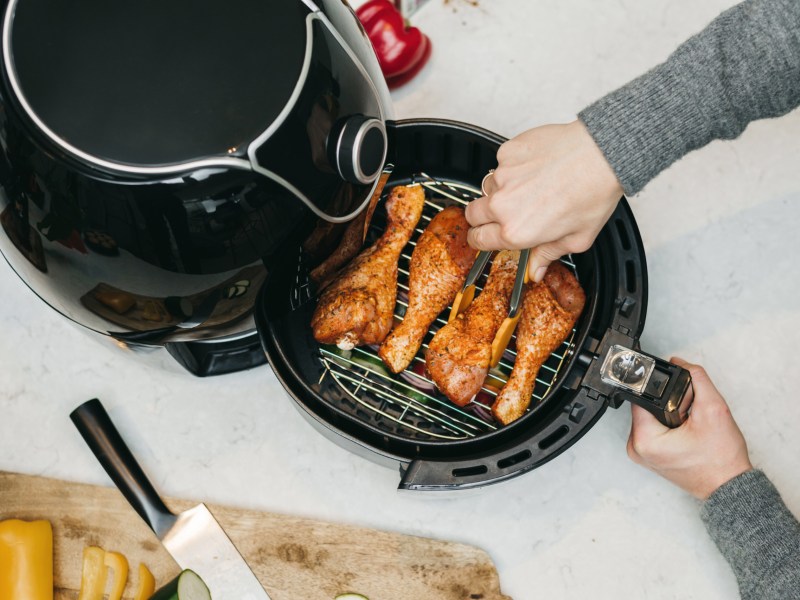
[459, 354]
[439, 267]
[358, 307]
[549, 311]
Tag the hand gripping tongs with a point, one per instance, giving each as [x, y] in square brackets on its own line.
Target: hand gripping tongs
[467, 294]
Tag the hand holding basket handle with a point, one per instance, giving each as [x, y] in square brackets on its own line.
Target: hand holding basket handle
[706, 451]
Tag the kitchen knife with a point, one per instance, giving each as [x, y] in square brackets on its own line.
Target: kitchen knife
[193, 538]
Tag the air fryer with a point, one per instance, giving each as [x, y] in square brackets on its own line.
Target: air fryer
[156, 155]
[163, 163]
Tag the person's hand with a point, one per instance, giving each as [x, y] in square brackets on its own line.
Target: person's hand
[700, 455]
[552, 191]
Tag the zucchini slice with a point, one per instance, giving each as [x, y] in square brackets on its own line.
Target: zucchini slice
[186, 586]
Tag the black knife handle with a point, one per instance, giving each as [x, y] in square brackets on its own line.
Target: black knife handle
[104, 440]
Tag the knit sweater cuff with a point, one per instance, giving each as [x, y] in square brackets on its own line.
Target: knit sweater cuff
[744, 66]
[645, 126]
[757, 534]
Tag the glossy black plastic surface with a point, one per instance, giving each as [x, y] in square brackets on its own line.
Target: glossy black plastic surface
[153, 82]
[126, 252]
[343, 19]
[218, 357]
[76, 240]
[335, 90]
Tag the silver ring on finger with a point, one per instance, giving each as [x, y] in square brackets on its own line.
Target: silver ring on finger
[485, 179]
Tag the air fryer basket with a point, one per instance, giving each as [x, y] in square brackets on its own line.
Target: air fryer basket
[381, 416]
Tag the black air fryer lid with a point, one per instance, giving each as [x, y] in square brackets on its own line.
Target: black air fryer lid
[156, 82]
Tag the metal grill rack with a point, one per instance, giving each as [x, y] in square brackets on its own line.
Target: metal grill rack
[409, 401]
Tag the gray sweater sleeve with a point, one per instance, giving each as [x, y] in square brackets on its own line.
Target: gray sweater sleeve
[757, 535]
[744, 66]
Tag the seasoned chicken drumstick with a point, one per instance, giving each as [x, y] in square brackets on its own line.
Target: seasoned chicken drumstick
[358, 307]
[459, 354]
[439, 267]
[549, 311]
[351, 242]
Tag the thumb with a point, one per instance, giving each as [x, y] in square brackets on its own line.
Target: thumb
[540, 259]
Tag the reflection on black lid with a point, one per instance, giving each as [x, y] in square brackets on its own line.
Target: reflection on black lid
[153, 83]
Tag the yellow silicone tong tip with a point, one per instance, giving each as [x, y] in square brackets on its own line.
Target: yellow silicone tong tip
[502, 337]
[509, 324]
[463, 300]
[465, 297]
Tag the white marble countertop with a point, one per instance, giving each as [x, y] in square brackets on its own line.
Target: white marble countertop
[720, 230]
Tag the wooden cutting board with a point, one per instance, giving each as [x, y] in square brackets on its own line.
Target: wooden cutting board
[295, 559]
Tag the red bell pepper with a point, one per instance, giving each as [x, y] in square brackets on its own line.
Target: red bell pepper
[400, 49]
[406, 76]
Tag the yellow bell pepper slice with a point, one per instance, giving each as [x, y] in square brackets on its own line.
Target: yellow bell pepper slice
[119, 564]
[26, 560]
[147, 584]
[93, 577]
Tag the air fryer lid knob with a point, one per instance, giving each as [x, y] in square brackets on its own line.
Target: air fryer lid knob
[359, 148]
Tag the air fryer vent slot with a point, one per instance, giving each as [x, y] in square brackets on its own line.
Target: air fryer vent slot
[517, 458]
[553, 437]
[470, 471]
[630, 276]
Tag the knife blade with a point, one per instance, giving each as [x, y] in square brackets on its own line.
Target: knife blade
[194, 538]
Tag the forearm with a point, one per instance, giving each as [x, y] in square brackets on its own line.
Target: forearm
[744, 66]
[757, 535]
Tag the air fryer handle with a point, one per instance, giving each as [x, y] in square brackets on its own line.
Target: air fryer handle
[104, 440]
[668, 394]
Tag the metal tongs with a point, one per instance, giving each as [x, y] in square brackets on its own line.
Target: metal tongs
[463, 195]
[467, 294]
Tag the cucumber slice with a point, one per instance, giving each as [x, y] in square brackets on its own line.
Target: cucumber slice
[350, 596]
[409, 393]
[186, 586]
[371, 363]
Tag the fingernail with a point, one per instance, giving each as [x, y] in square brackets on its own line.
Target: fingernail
[539, 274]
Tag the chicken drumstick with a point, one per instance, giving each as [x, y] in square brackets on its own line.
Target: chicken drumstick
[550, 309]
[459, 354]
[358, 307]
[439, 267]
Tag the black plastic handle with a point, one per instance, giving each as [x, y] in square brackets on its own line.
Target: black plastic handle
[668, 395]
[667, 392]
[104, 440]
